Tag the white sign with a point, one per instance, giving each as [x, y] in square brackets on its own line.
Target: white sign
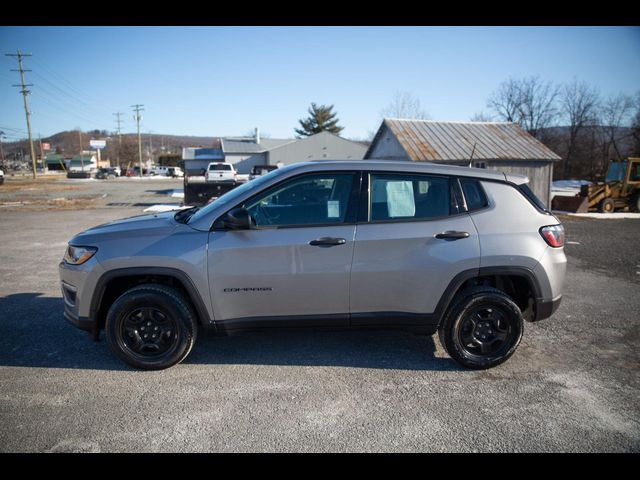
[97, 144]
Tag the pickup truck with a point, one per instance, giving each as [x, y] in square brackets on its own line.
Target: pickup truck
[220, 172]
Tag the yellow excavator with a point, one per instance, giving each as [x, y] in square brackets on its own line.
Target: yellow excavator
[619, 191]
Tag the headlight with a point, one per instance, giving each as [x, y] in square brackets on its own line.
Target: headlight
[78, 255]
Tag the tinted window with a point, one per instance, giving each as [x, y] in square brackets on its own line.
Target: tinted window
[527, 192]
[473, 194]
[307, 200]
[400, 196]
[220, 166]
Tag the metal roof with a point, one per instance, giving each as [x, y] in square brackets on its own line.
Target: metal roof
[232, 145]
[428, 140]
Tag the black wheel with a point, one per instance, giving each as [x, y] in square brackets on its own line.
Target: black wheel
[482, 328]
[635, 203]
[151, 327]
[606, 206]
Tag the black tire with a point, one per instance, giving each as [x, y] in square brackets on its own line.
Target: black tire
[635, 203]
[151, 327]
[475, 309]
[607, 206]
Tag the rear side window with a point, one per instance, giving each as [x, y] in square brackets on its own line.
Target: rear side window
[220, 166]
[408, 197]
[527, 192]
[473, 194]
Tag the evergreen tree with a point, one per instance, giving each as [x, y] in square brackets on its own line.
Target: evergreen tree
[321, 118]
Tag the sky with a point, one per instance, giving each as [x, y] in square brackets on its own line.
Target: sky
[224, 81]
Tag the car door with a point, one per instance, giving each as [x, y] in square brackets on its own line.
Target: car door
[294, 264]
[412, 244]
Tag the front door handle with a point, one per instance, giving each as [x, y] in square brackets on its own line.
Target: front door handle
[452, 235]
[327, 241]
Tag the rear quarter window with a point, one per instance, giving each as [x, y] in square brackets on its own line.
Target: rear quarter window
[473, 194]
[528, 193]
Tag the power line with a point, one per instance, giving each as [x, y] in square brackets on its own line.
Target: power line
[57, 104]
[25, 94]
[70, 85]
[73, 98]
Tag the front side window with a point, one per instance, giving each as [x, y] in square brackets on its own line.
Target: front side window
[307, 200]
[408, 197]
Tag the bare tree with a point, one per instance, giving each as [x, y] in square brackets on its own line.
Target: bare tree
[579, 104]
[481, 117]
[405, 105]
[615, 112]
[506, 100]
[528, 101]
[537, 104]
[635, 126]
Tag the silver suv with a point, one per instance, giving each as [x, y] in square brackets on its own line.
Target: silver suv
[466, 252]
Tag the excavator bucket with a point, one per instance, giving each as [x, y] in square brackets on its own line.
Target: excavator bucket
[576, 204]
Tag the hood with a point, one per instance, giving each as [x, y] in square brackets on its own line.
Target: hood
[138, 226]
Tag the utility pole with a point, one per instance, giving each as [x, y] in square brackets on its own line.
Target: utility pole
[137, 108]
[151, 147]
[80, 144]
[41, 151]
[25, 93]
[118, 121]
[1, 151]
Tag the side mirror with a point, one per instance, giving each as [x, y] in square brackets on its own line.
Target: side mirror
[238, 219]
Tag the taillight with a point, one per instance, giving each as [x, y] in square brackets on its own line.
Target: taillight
[553, 235]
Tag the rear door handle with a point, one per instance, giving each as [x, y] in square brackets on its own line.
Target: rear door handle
[327, 241]
[452, 235]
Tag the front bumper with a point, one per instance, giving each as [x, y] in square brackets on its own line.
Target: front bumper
[76, 285]
[83, 323]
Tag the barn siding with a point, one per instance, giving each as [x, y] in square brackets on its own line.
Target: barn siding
[387, 147]
[539, 174]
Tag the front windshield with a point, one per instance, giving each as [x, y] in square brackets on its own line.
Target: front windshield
[237, 192]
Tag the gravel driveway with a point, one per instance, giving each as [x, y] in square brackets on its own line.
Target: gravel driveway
[572, 385]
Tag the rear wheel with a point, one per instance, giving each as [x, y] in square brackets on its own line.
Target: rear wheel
[606, 206]
[151, 327]
[635, 202]
[482, 329]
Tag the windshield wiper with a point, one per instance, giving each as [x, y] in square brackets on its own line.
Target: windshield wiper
[183, 216]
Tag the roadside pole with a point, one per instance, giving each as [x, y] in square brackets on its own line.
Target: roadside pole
[137, 108]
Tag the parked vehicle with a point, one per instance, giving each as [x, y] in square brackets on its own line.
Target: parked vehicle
[175, 172]
[619, 191]
[166, 171]
[260, 170]
[468, 253]
[135, 171]
[1, 177]
[220, 172]
[106, 173]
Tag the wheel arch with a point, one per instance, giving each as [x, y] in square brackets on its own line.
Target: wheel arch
[113, 283]
[518, 282]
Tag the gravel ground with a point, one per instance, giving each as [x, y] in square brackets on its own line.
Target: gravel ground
[571, 386]
[609, 247]
[56, 192]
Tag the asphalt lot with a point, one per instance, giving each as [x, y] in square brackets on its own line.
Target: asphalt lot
[572, 385]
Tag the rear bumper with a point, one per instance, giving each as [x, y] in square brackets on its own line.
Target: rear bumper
[546, 308]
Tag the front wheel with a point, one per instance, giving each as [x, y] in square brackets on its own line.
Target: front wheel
[608, 205]
[482, 329]
[151, 327]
